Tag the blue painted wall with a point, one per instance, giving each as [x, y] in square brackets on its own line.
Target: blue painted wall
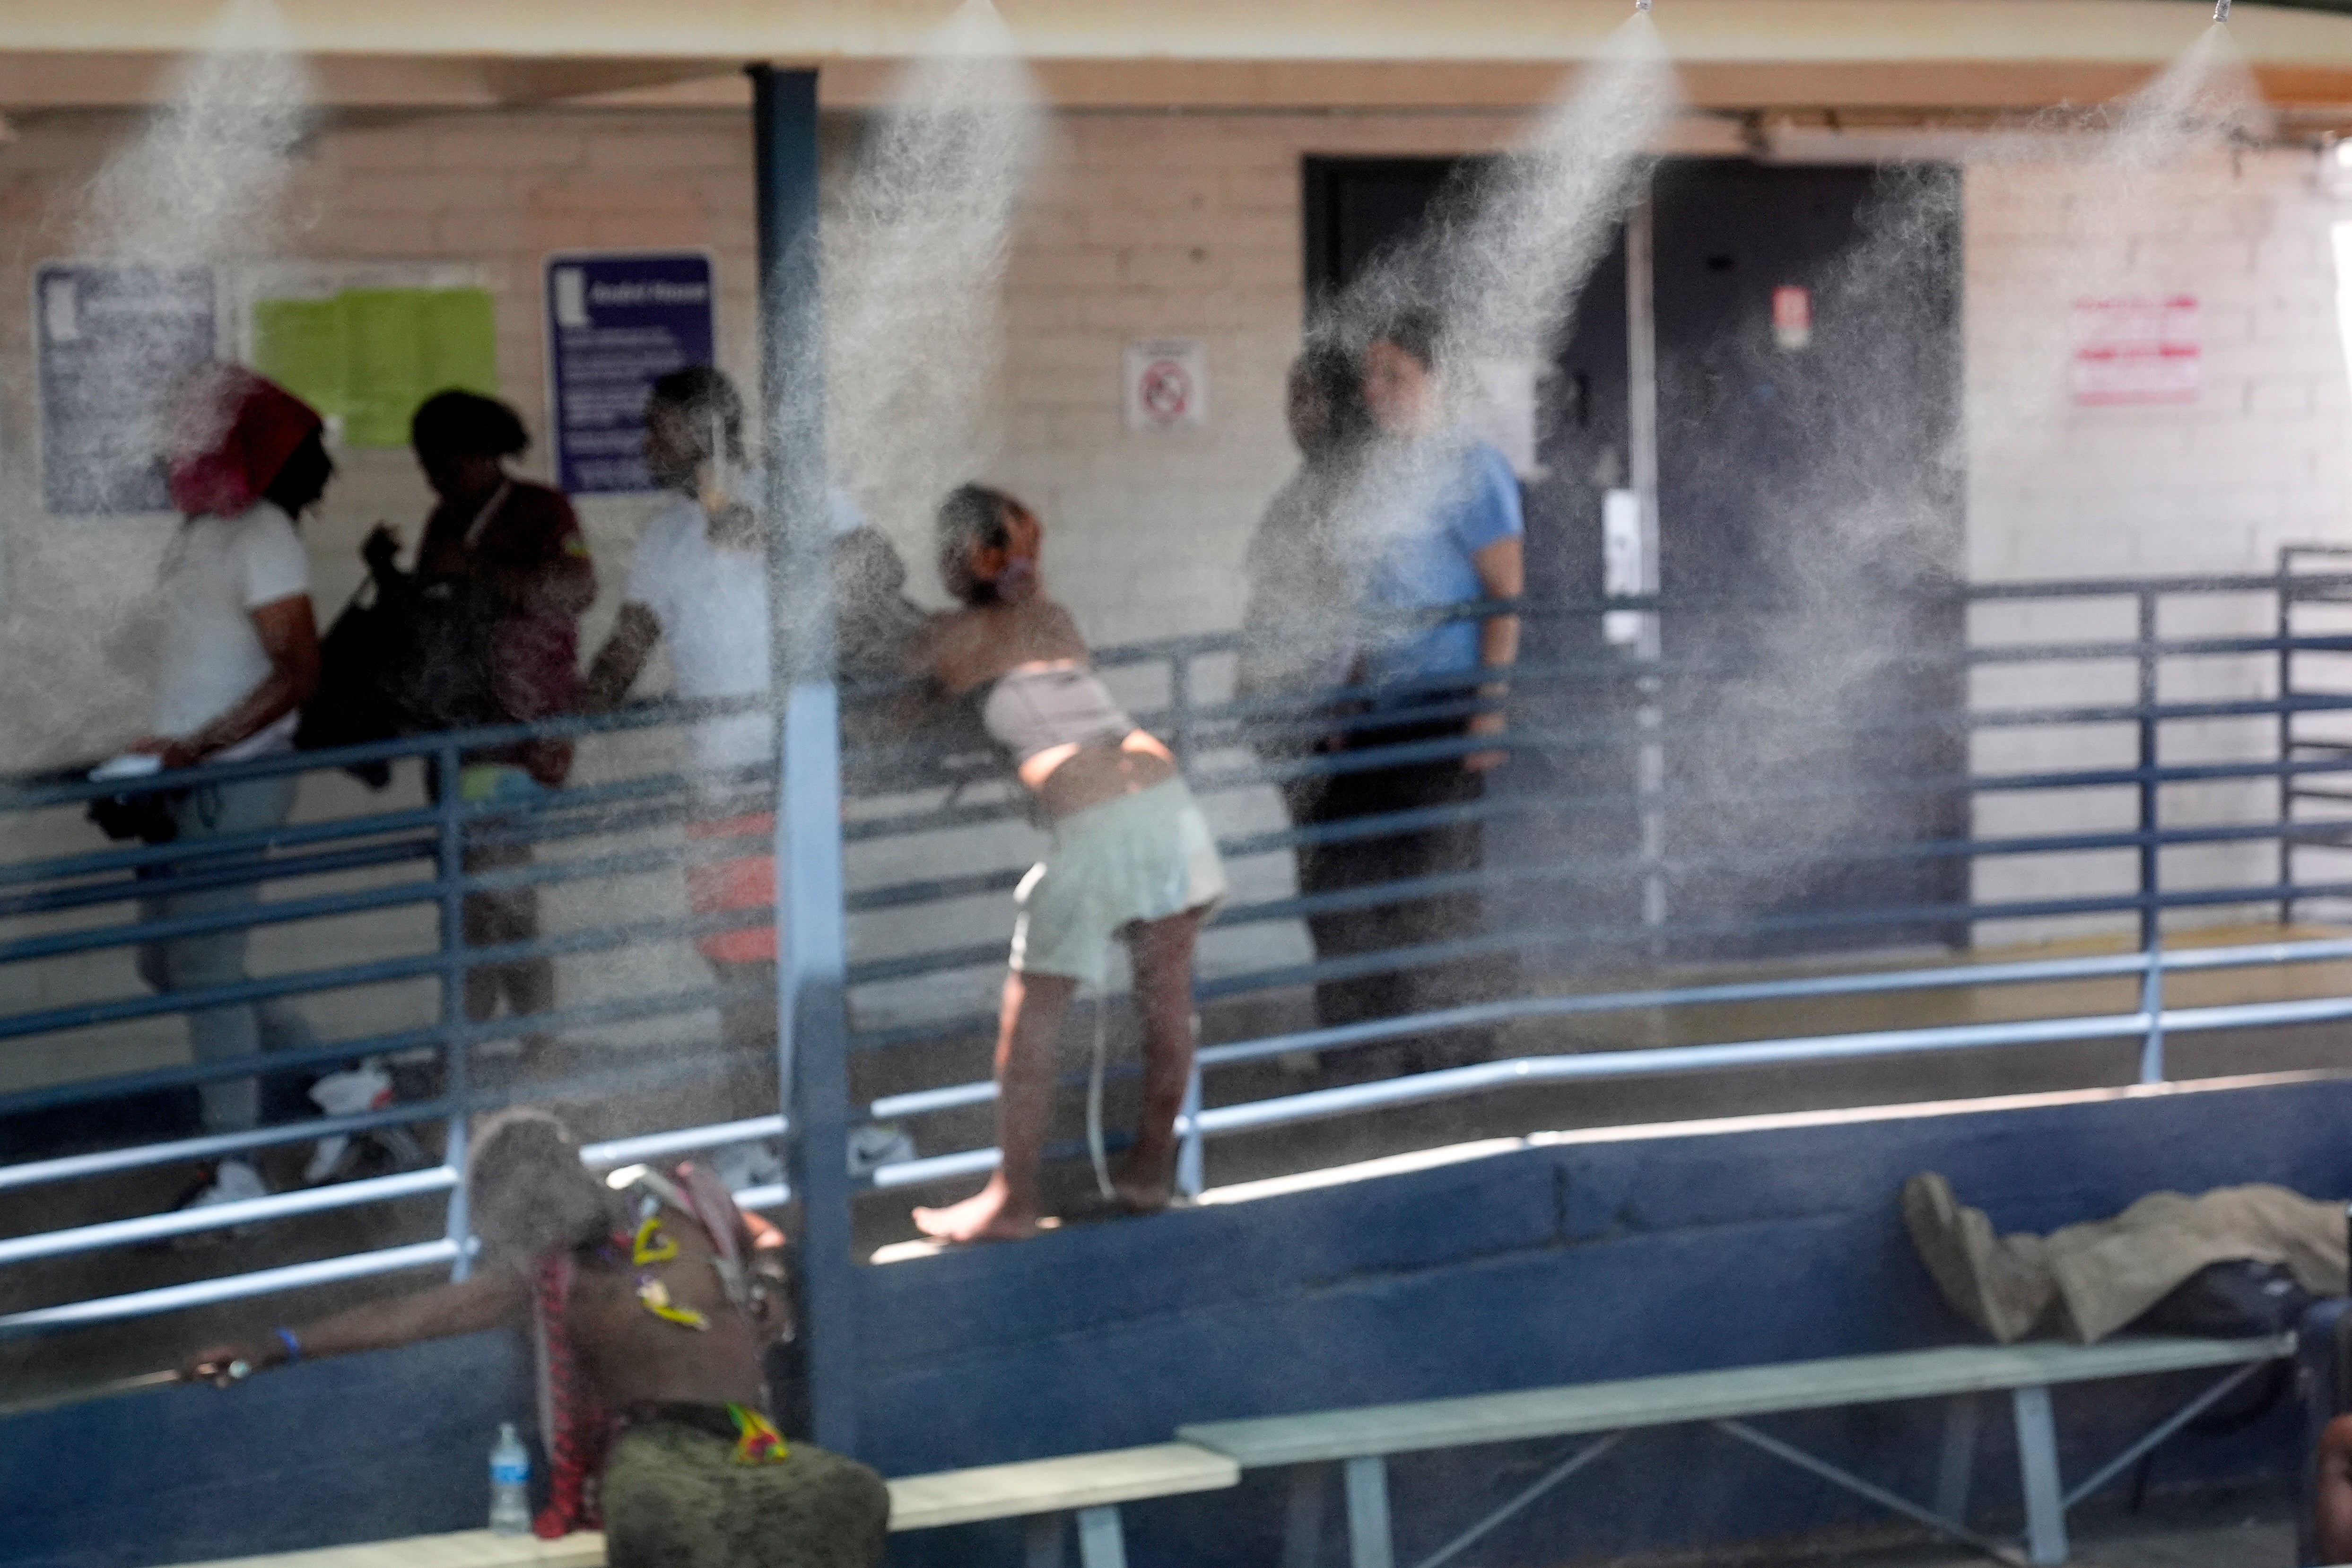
[1581, 1261]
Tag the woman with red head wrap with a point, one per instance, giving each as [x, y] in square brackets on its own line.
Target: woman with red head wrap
[239, 656]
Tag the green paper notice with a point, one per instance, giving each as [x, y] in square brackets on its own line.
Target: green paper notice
[369, 356]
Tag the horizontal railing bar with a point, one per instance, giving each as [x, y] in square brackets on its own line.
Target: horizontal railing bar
[218, 1145]
[1373, 894]
[674, 1067]
[383, 1189]
[19, 794]
[1514, 1009]
[192, 880]
[1602, 937]
[224, 1215]
[912, 1172]
[938, 890]
[859, 830]
[376, 972]
[636, 862]
[431, 1036]
[53, 1096]
[97, 862]
[208, 1292]
[623, 1150]
[943, 960]
[1616, 726]
[947, 1097]
[1449, 1083]
[244, 917]
[927, 1029]
[963, 1024]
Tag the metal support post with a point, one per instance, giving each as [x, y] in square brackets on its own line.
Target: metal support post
[2037, 1465]
[2151, 916]
[812, 946]
[1956, 1463]
[2286, 733]
[449, 868]
[1370, 1542]
[1302, 1521]
[1192, 1172]
[1041, 1541]
[1179, 708]
[1641, 474]
[1100, 1543]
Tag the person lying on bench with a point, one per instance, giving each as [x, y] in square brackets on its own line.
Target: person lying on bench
[2088, 1280]
[653, 1298]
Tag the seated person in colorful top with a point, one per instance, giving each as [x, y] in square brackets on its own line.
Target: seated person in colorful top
[653, 1297]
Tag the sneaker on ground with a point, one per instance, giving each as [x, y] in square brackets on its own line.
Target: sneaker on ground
[347, 1093]
[876, 1144]
[232, 1181]
[754, 1164]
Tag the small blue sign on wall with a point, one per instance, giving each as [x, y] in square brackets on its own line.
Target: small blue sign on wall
[617, 321]
[114, 341]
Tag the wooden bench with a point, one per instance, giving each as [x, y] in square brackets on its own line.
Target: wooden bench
[1090, 1486]
[1362, 1438]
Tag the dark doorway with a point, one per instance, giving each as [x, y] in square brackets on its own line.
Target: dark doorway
[1809, 693]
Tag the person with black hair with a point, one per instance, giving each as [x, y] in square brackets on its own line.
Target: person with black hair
[1298, 628]
[507, 571]
[239, 655]
[653, 1300]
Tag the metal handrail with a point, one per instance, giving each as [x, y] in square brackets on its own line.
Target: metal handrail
[380, 841]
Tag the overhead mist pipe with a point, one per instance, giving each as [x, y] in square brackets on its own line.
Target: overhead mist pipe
[812, 948]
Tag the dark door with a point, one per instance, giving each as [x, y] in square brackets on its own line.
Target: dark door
[1810, 514]
[1807, 697]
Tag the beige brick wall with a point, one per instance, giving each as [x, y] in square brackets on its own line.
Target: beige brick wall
[1151, 224]
[2216, 487]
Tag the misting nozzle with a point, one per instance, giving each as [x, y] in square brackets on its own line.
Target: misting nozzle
[2221, 10]
[1644, 5]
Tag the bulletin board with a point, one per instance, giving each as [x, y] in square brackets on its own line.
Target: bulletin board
[367, 342]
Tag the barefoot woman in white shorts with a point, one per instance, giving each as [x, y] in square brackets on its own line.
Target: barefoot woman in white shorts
[1132, 858]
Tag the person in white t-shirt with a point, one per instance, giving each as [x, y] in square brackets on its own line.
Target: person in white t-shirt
[239, 658]
[699, 582]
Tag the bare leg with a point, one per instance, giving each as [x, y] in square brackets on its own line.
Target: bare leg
[2333, 1491]
[1145, 1178]
[1029, 1027]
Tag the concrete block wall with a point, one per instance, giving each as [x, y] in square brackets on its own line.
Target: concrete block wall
[2056, 490]
[1159, 225]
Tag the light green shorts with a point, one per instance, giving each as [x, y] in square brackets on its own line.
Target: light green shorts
[1143, 857]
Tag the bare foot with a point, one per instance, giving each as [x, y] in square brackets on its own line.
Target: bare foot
[986, 1215]
[1141, 1188]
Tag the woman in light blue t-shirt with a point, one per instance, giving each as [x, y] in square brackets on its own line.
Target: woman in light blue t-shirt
[1457, 541]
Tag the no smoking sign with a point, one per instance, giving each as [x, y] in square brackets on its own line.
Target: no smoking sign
[1167, 384]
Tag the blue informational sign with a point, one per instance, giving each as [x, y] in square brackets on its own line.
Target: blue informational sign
[114, 341]
[616, 322]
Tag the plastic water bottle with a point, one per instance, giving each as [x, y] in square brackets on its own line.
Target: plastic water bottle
[509, 1484]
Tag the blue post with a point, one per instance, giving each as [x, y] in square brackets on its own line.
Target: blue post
[2151, 912]
[811, 947]
[449, 870]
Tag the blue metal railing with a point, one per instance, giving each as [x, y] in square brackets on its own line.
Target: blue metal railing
[414, 857]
